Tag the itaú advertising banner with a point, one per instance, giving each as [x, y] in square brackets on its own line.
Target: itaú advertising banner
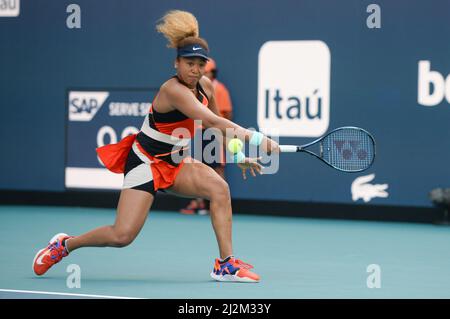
[294, 88]
[9, 8]
[97, 118]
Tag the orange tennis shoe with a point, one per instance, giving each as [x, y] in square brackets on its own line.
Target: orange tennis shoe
[232, 269]
[52, 254]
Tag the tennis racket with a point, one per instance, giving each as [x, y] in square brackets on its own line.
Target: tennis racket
[347, 149]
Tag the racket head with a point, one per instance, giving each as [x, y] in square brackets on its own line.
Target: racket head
[348, 149]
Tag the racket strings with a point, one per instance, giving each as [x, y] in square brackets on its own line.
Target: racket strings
[349, 149]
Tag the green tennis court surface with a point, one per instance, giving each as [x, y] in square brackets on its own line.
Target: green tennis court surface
[174, 254]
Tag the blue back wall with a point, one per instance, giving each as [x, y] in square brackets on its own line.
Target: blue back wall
[374, 84]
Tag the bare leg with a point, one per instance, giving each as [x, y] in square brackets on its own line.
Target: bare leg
[132, 211]
[221, 171]
[199, 180]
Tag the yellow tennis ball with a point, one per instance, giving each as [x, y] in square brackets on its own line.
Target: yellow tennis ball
[235, 145]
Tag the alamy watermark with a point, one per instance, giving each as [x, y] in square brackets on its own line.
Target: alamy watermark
[374, 19]
[73, 20]
[74, 277]
[211, 147]
[374, 279]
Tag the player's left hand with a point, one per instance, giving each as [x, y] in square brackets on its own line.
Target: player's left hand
[250, 163]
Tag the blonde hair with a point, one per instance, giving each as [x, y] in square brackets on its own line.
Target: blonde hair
[180, 28]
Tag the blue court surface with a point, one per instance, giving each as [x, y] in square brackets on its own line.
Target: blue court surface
[173, 256]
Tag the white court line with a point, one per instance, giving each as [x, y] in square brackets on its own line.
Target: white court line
[65, 294]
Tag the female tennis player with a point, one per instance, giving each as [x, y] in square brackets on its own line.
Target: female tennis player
[148, 163]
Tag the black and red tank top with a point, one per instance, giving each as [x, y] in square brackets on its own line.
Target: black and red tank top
[163, 134]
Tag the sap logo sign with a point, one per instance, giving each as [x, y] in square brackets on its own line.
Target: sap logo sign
[294, 88]
[9, 8]
[84, 105]
[441, 86]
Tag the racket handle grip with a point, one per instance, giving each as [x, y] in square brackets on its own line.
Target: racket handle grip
[288, 148]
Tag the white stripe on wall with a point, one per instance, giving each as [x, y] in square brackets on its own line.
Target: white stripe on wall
[93, 178]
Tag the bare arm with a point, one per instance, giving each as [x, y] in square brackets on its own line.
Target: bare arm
[228, 115]
[183, 100]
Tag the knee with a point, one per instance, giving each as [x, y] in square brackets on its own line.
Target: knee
[123, 238]
[220, 191]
